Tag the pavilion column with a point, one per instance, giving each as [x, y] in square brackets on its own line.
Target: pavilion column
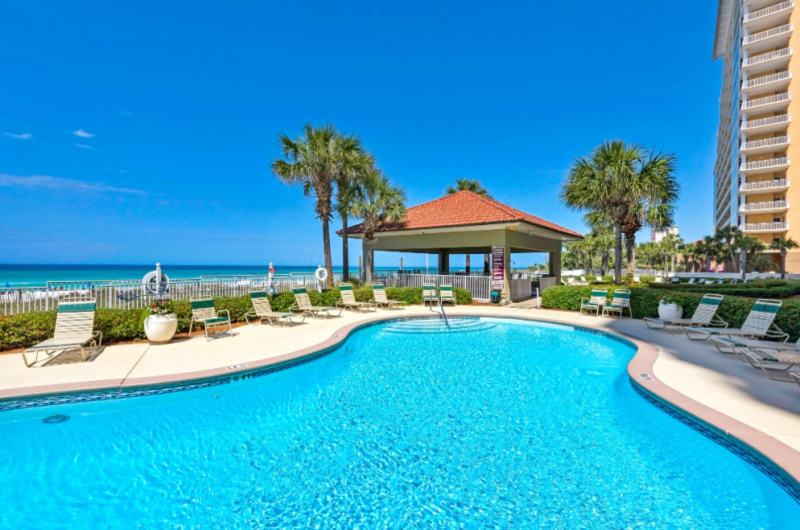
[487, 269]
[444, 262]
[507, 274]
[555, 266]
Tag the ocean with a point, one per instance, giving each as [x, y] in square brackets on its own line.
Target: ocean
[12, 275]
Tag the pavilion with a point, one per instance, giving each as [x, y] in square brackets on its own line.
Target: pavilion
[469, 223]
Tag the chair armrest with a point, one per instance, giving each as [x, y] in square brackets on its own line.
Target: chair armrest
[99, 335]
[584, 299]
[228, 313]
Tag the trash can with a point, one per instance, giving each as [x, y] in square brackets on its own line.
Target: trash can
[496, 296]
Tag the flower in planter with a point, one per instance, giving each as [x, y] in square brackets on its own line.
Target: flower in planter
[160, 308]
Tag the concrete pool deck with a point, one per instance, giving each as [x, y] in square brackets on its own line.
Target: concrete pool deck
[736, 398]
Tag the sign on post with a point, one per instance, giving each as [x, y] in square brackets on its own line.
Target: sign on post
[498, 267]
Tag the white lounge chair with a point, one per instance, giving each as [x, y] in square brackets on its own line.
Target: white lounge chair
[704, 315]
[448, 294]
[620, 300]
[760, 322]
[303, 305]
[584, 281]
[795, 376]
[348, 299]
[595, 302]
[203, 310]
[429, 294]
[74, 331]
[380, 298]
[262, 310]
[691, 280]
[637, 278]
[733, 344]
[773, 363]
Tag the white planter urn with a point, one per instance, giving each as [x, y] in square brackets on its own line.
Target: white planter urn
[160, 328]
[669, 311]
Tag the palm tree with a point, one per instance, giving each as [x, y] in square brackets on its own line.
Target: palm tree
[728, 236]
[351, 170]
[377, 201]
[474, 186]
[468, 185]
[748, 245]
[314, 161]
[628, 185]
[669, 247]
[709, 248]
[784, 246]
[689, 253]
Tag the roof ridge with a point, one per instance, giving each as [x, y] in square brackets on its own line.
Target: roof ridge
[497, 204]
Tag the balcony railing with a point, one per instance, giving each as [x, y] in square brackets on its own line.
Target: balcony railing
[753, 124]
[777, 98]
[764, 185]
[764, 164]
[767, 11]
[766, 142]
[766, 79]
[763, 206]
[764, 227]
[762, 35]
[764, 57]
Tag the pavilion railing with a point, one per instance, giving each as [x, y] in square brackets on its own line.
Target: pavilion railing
[479, 286]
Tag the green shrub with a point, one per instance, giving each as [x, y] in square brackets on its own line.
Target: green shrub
[125, 325]
[644, 303]
[756, 289]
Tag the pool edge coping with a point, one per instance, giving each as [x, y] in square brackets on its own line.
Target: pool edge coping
[784, 458]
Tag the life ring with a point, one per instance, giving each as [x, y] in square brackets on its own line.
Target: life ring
[321, 274]
[152, 285]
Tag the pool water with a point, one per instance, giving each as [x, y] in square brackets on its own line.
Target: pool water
[505, 424]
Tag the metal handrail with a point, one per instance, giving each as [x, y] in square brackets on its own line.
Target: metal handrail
[444, 315]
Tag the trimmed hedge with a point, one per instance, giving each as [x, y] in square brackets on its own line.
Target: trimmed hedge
[125, 325]
[644, 303]
[756, 289]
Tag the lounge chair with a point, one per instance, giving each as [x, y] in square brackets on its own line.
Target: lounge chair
[303, 305]
[595, 302]
[348, 299]
[620, 300]
[429, 294]
[584, 281]
[203, 310]
[74, 331]
[759, 323]
[571, 280]
[704, 315]
[795, 376]
[448, 294]
[737, 343]
[380, 298]
[262, 310]
[773, 363]
[636, 278]
[691, 280]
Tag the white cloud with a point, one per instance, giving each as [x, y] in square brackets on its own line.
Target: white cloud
[82, 133]
[125, 113]
[55, 183]
[25, 136]
[84, 146]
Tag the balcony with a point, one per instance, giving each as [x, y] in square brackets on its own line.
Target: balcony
[777, 81]
[771, 38]
[768, 16]
[766, 125]
[764, 166]
[774, 60]
[764, 186]
[768, 103]
[764, 227]
[764, 207]
[767, 145]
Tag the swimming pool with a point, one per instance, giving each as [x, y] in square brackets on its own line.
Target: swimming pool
[503, 423]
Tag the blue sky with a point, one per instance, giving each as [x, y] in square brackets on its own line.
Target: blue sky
[135, 132]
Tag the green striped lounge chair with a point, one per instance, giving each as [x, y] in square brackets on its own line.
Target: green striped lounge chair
[203, 311]
[74, 331]
[262, 310]
[348, 299]
[620, 301]
[448, 294]
[598, 299]
[303, 305]
[760, 323]
[380, 298]
[429, 294]
[705, 315]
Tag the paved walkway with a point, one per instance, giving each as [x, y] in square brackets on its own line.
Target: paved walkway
[695, 369]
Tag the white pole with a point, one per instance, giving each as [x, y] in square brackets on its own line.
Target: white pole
[426, 264]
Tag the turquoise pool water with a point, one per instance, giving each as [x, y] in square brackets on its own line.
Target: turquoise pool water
[502, 424]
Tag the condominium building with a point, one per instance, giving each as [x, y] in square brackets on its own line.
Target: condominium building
[656, 236]
[753, 172]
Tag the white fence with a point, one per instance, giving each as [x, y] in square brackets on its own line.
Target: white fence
[479, 286]
[130, 294]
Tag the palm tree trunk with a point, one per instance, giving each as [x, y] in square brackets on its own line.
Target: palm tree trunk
[604, 264]
[708, 262]
[326, 242]
[630, 249]
[783, 264]
[345, 250]
[368, 256]
[733, 261]
[618, 254]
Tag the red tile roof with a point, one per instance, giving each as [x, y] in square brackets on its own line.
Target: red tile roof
[465, 208]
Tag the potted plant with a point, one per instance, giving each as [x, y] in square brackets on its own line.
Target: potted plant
[670, 308]
[161, 323]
